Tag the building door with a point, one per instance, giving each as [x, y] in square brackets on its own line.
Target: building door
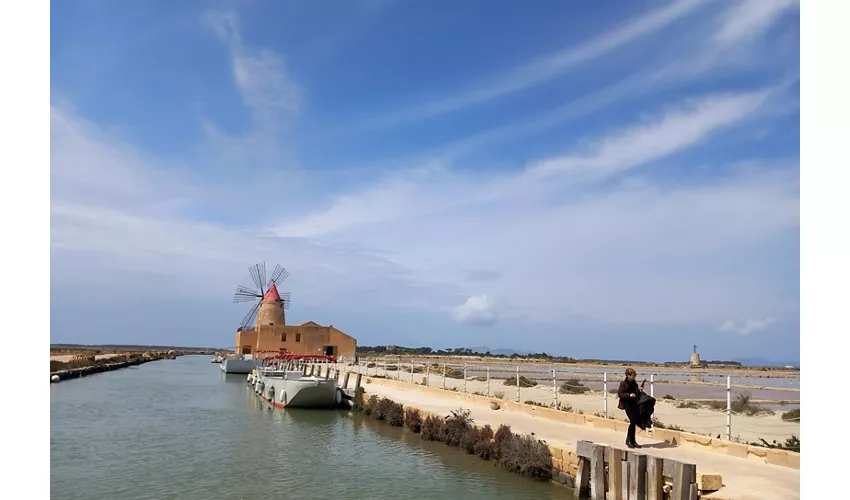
[330, 350]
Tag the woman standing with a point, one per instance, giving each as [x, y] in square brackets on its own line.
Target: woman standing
[628, 394]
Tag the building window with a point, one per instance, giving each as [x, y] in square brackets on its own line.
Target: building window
[283, 337]
[298, 337]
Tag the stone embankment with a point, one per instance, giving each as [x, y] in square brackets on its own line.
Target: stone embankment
[83, 365]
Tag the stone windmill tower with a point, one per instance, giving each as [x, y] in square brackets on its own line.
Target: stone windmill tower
[269, 310]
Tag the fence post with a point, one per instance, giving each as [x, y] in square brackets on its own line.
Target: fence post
[605, 391]
[517, 385]
[411, 371]
[464, 378]
[398, 369]
[555, 387]
[729, 408]
[488, 381]
[652, 385]
[444, 375]
[428, 375]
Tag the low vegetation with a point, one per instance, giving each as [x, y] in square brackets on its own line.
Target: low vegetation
[791, 415]
[693, 405]
[573, 386]
[521, 454]
[790, 444]
[523, 382]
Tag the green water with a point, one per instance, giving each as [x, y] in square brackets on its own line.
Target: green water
[180, 429]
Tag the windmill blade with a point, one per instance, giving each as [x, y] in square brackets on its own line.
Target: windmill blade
[286, 298]
[247, 291]
[249, 318]
[279, 275]
[258, 274]
[263, 288]
[245, 294]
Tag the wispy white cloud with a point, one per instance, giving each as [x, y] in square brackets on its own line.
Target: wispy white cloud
[750, 18]
[260, 75]
[406, 197]
[746, 327]
[545, 67]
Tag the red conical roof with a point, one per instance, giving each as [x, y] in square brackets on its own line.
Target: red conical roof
[272, 295]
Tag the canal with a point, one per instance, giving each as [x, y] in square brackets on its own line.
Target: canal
[181, 429]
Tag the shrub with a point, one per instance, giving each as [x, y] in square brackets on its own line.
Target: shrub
[791, 415]
[666, 396]
[395, 413]
[661, 425]
[484, 447]
[742, 404]
[412, 419]
[453, 373]
[527, 456]
[371, 405]
[456, 426]
[432, 428]
[383, 408]
[480, 378]
[503, 434]
[689, 404]
[371, 365]
[499, 394]
[391, 368]
[523, 381]
[357, 401]
[573, 386]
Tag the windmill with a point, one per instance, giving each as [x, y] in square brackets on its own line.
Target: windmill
[267, 292]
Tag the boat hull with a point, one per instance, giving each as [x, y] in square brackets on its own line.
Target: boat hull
[303, 392]
[240, 366]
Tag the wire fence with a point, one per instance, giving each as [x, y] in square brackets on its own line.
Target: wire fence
[695, 405]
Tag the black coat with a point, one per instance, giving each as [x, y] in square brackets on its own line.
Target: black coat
[639, 409]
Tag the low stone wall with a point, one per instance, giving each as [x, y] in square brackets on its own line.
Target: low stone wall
[782, 458]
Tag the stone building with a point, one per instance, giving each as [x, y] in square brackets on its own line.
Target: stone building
[271, 333]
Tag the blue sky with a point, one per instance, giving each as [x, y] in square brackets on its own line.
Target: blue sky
[596, 179]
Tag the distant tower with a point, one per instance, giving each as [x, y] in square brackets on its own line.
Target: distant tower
[695, 362]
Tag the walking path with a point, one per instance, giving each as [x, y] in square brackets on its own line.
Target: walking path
[743, 479]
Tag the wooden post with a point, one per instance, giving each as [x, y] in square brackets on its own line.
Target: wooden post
[411, 371]
[694, 494]
[517, 385]
[582, 487]
[488, 381]
[654, 478]
[615, 474]
[729, 408]
[683, 476]
[605, 392]
[625, 491]
[428, 375]
[357, 382]
[597, 473]
[555, 388]
[398, 369]
[444, 375]
[637, 476]
[327, 371]
[345, 380]
[464, 378]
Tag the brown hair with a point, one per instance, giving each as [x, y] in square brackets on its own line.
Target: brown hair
[631, 371]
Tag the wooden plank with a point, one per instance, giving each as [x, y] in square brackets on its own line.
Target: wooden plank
[584, 449]
[682, 481]
[670, 468]
[582, 486]
[694, 494]
[597, 473]
[625, 486]
[637, 477]
[615, 474]
[654, 478]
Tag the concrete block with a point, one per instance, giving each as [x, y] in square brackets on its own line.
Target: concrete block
[557, 453]
[709, 481]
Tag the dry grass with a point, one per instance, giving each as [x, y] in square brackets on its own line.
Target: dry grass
[573, 386]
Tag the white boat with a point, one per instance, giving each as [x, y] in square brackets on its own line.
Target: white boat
[217, 359]
[292, 389]
[241, 364]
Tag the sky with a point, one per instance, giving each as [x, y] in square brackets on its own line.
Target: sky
[614, 180]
